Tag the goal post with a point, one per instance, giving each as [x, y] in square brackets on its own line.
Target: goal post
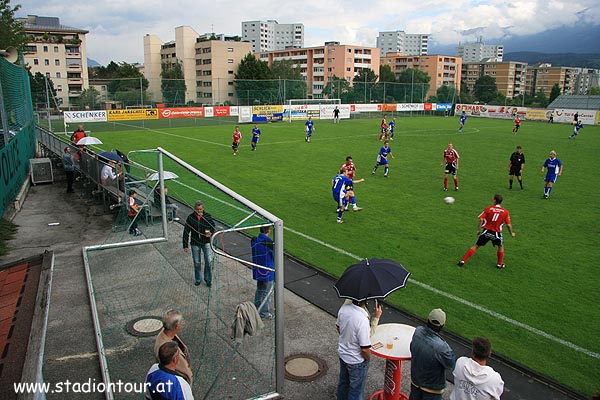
[300, 109]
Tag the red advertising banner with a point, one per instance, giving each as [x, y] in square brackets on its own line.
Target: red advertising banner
[428, 106]
[181, 112]
[221, 111]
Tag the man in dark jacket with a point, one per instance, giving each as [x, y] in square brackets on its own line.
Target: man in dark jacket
[262, 254]
[431, 357]
[200, 226]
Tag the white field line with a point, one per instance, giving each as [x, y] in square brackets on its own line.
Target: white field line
[464, 302]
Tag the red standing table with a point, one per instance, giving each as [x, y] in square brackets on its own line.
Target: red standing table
[399, 336]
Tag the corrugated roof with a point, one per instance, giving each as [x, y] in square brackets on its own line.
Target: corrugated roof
[581, 102]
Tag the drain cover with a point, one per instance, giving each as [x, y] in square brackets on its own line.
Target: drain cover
[304, 367]
[145, 326]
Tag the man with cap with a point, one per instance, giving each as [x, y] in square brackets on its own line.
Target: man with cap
[431, 357]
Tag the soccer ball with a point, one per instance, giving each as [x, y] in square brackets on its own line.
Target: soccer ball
[449, 200]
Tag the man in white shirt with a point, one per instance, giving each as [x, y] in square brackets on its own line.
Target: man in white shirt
[473, 379]
[354, 349]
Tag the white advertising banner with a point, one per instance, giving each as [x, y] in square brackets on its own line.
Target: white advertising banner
[85, 116]
[365, 107]
[587, 117]
[410, 107]
[326, 111]
[491, 111]
[245, 114]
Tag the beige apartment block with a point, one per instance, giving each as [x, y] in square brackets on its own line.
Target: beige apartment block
[59, 53]
[209, 63]
[511, 76]
[443, 70]
[319, 64]
[543, 77]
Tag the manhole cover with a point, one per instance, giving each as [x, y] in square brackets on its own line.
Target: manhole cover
[304, 367]
[145, 326]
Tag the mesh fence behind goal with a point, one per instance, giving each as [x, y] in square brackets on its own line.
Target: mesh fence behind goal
[134, 283]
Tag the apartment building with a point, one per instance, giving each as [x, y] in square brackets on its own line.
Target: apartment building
[545, 76]
[511, 76]
[480, 52]
[408, 44]
[319, 64]
[58, 52]
[270, 35]
[585, 79]
[208, 61]
[443, 70]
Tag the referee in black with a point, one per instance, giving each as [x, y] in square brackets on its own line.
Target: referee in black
[515, 167]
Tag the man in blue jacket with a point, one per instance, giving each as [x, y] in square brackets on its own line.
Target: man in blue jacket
[431, 357]
[262, 254]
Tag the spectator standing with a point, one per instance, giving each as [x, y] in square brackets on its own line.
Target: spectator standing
[489, 228]
[132, 211]
[516, 164]
[78, 135]
[168, 203]
[163, 381]
[551, 118]
[555, 168]
[172, 324]
[262, 254]
[431, 357]
[199, 226]
[69, 166]
[473, 378]
[354, 349]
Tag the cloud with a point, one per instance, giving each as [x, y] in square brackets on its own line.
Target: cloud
[117, 28]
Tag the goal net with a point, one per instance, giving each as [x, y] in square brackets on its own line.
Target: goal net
[133, 280]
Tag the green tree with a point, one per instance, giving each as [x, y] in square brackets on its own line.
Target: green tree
[594, 91]
[554, 92]
[363, 84]
[485, 89]
[419, 84]
[291, 83]
[124, 81]
[172, 84]
[338, 88]
[541, 99]
[89, 99]
[38, 90]
[444, 94]
[386, 74]
[11, 30]
[254, 84]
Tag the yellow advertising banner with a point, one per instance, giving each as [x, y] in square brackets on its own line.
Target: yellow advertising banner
[537, 114]
[132, 114]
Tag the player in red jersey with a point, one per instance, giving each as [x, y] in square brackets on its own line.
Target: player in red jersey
[491, 221]
[450, 162]
[517, 124]
[237, 137]
[384, 131]
[350, 171]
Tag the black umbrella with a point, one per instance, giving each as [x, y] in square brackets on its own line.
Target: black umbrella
[109, 155]
[373, 278]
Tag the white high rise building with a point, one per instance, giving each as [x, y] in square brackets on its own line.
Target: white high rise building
[409, 44]
[270, 35]
[480, 52]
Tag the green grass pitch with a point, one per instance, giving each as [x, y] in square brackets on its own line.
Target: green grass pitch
[541, 311]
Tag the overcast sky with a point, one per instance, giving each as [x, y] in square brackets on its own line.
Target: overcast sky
[116, 28]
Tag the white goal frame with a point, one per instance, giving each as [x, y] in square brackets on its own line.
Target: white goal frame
[303, 106]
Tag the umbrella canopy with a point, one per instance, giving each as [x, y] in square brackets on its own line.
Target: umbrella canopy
[166, 175]
[109, 155]
[373, 278]
[86, 141]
